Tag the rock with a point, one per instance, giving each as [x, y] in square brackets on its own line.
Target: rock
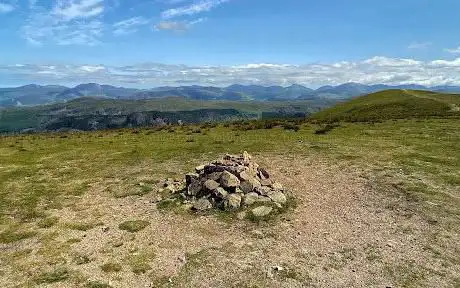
[228, 180]
[277, 186]
[202, 205]
[211, 168]
[264, 199]
[215, 176]
[250, 198]
[211, 185]
[194, 188]
[245, 176]
[277, 197]
[169, 189]
[250, 185]
[246, 157]
[220, 193]
[191, 177]
[265, 182]
[199, 169]
[263, 174]
[263, 190]
[233, 202]
[261, 211]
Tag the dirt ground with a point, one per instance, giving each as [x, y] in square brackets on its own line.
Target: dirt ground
[349, 229]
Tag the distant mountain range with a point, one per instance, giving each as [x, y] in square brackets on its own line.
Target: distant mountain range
[37, 95]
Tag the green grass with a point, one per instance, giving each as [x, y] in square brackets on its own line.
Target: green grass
[111, 267]
[392, 104]
[133, 226]
[58, 275]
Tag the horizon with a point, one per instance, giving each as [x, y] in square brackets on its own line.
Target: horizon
[221, 42]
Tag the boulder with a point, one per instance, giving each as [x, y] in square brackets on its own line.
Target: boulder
[211, 185]
[277, 197]
[233, 202]
[194, 188]
[263, 190]
[199, 169]
[265, 182]
[214, 176]
[250, 198]
[202, 205]
[220, 193]
[277, 186]
[228, 180]
[189, 177]
[261, 211]
[250, 185]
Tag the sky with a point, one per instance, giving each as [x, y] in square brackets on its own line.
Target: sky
[148, 43]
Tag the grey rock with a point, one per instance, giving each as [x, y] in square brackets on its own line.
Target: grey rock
[261, 211]
[214, 176]
[245, 176]
[277, 186]
[264, 199]
[263, 190]
[211, 185]
[250, 198]
[266, 182]
[169, 189]
[202, 204]
[241, 215]
[194, 188]
[250, 185]
[199, 169]
[220, 193]
[191, 177]
[228, 180]
[263, 174]
[233, 202]
[246, 157]
[277, 197]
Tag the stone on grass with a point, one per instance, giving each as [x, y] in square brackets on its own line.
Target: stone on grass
[277, 197]
[189, 177]
[233, 202]
[277, 186]
[261, 211]
[250, 198]
[202, 205]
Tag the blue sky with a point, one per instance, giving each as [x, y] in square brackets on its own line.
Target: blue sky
[145, 43]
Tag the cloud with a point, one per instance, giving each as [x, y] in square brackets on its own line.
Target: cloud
[68, 22]
[129, 26]
[377, 70]
[6, 8]
[419, 45]
[72, 9]
[199, 7]
[177, 25]
[453, 50]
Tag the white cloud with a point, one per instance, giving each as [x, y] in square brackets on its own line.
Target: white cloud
[177, 25]
[377, 70]
[453, 50]
[199, 7]
[129, 26]
[6, 8]
[72, 9]
[419, 45]
[68, 22]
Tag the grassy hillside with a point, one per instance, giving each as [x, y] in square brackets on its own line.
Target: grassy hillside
[16, 119]
[378, 205]
[392, 104]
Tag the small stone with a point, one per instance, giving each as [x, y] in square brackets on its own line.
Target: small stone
[220, 193]
[105, 229]
[194, 188]
[263, 174]
[191, 177]
[277, 186]
[246, 157]
[202, 205]
[245, 176]
[277, 197]
[169, 189]
[277, 268]
[233, 202]
[199, 169]
[211, 185]
[263, 190]
[265, 182]
[263, 199]
[261, 211]
[228, 180]
[250, 198]
[249, 185]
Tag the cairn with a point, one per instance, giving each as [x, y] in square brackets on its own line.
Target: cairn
[232, 183]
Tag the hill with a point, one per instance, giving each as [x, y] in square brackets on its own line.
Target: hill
[392, 104]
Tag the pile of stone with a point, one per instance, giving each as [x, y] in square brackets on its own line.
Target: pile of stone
[232, 183]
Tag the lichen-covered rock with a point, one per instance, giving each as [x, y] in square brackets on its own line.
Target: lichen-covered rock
[232, 202]
[194, 188]
[211, 185]
[220, 193]
[250, 185]
[277, 197]
[202, 205]
[261, 211]
[250, 199]
[228, 180]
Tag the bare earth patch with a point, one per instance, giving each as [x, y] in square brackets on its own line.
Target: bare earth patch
[348, 230]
